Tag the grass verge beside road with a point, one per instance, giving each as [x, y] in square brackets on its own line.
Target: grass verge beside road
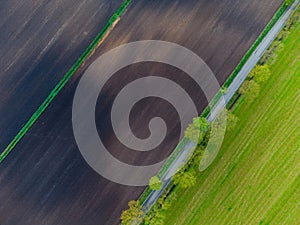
[256, 176]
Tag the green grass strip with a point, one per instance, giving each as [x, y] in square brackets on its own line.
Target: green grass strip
[64, 80]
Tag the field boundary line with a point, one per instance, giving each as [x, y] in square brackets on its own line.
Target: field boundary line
[79, 62]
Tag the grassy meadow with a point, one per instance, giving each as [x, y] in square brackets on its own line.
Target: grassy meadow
[256, 176]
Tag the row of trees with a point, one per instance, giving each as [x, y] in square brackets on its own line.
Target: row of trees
[198, 133]
[157, 214]
[251, 87]
[197, 129]
[185, 178]
[134, 215]
[270, 55]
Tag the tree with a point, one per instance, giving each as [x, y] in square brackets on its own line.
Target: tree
[184, 179]
[253, 92]
[167, 200]
[133, 214]
[231, 120]
[156, 218]
[193, 134]
[245, 87]
[195, 131]
[250, 89]
[201, 123]
[155, 183]
[157, 214]
[260, 73]
[270, 56]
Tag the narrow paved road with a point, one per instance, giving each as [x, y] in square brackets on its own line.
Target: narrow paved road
[253, 60]
[185, 153]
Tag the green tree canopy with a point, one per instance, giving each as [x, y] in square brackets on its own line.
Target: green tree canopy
[250, 89]
[155, 219]
[155, 183]
[157, 214]
[201, 123]
[195, 131]
[260, 73]
[133, 214]
[231, 120]
[184, 179]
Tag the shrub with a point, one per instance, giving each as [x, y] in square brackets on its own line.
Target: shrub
[133, 214]
[184, 179]
[250, 89]
[155, 183]
[260, 73]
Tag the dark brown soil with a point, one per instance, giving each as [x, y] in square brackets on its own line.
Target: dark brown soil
[45, 180]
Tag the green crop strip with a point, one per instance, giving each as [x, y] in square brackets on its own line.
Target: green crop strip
[64, 80]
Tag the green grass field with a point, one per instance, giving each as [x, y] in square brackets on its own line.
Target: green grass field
[256, 177]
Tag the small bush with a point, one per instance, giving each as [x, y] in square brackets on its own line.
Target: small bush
[155, 183]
